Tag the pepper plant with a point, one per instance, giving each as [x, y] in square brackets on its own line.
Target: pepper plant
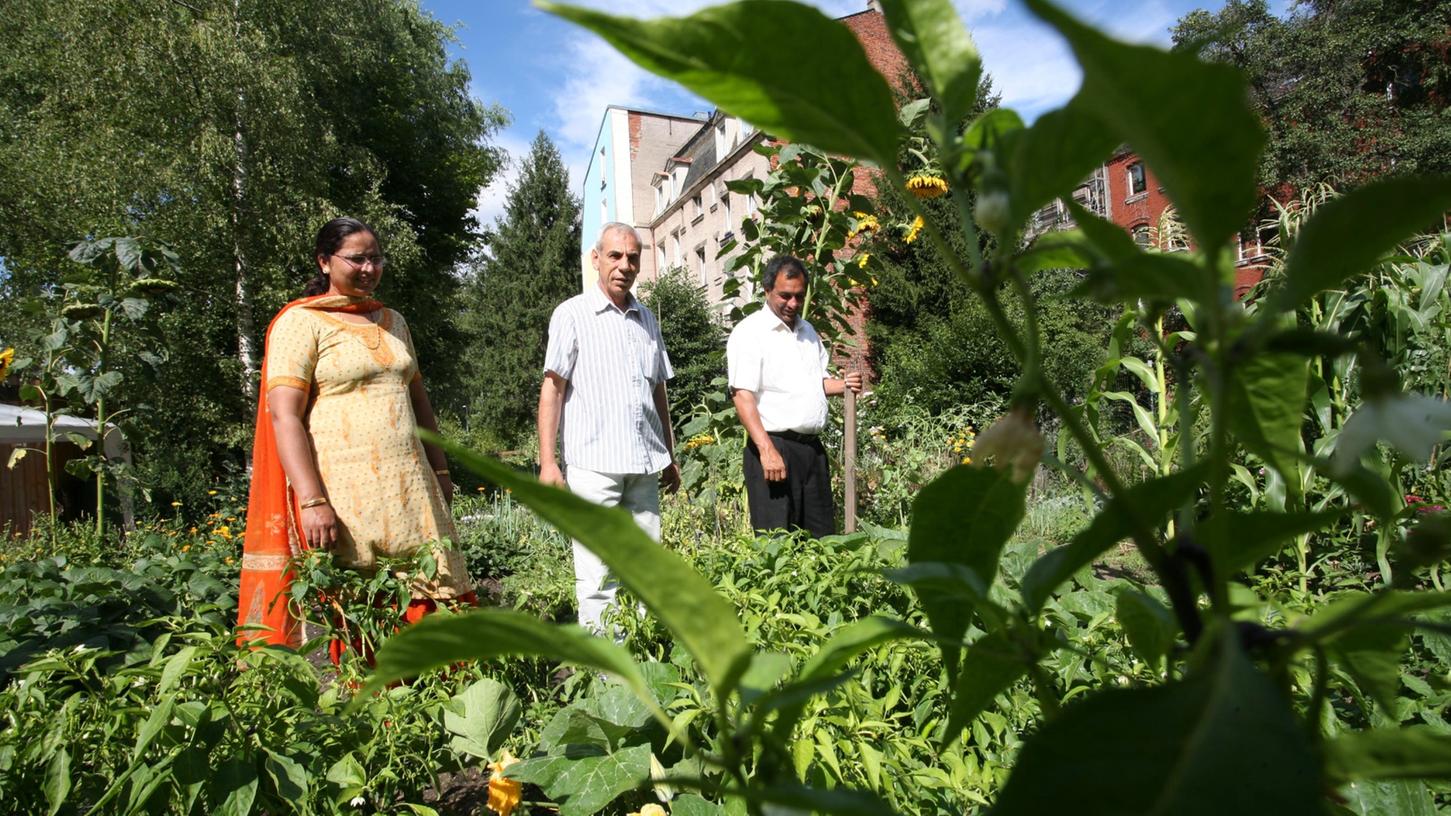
[1241, 719]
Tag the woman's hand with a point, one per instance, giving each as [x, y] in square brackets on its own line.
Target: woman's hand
[320, 526]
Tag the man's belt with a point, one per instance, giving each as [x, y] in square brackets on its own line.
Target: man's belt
[794, 436]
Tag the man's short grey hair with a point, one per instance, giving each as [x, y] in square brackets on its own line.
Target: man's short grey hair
[615, 226]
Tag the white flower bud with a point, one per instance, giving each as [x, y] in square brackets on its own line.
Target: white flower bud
[994, 211]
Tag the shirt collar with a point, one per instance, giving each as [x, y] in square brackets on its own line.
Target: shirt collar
[599, 301]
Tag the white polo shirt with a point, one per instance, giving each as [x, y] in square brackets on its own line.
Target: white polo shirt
[784, 367]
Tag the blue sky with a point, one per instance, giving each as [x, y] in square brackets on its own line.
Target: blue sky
[554, 77]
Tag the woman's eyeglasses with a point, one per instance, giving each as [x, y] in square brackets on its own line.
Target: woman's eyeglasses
[359, 261]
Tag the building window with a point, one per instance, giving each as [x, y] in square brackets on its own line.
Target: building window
[1138, 183]
[675, 256]
[700, 263]
[721, 145]
[725, 205]
[696, 210]
[1143, 236]
[659, 259]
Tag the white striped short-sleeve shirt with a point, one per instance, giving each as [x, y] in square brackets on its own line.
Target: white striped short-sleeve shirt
[611, 359]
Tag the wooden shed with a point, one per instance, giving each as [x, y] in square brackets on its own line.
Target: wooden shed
[23, 472]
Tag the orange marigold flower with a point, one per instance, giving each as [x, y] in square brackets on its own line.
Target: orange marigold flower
[925, 186]
[504, 793]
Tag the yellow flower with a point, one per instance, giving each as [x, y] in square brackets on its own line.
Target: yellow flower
[651, 809]
[176, 504]
[6, 358]
[479, 489]
[223, 531]
[186, 548]
[915, 229]
[925, 186]
[861, 260]
[864, 223]
[504, 794]
[227, 560]
[211, 492]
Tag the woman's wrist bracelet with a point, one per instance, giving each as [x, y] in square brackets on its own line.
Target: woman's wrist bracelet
[441, 471]
[314, 502]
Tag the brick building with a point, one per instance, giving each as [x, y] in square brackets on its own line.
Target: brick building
[1125, 191]
[666, 175]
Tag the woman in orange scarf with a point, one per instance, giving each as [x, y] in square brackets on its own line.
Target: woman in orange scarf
[335, 460]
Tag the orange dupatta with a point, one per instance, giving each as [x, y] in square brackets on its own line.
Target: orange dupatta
[274, 530]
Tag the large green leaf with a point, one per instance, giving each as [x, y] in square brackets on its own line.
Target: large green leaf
[747, 58]
[992, 663]
[679, 596]
[801, 799]
[585, 785]
[1417, 752]
[1238, 539]
[1149, 626]
[442, 640]
[1190, 120]
[964, 516]
[481, 717]
[1401, 797]
[1348, 235]
[1223, 741]
[1048, 159]
[1151, 500]
[937, 44]
[234, 788]
[1266, 406]
[57, 783]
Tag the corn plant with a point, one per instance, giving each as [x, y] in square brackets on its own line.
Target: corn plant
[1243, 718]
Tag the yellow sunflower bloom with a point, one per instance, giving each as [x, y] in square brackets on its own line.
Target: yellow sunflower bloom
[6, 358]
[862, 259]
[925, 186]
[864, 223]
[504, 794]
[915, 229]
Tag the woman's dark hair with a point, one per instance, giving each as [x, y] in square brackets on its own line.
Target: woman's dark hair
[329, 238]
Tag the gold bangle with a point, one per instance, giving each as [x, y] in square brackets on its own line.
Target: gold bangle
[313, 502]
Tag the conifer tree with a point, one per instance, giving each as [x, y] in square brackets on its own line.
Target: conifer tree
[533, 265]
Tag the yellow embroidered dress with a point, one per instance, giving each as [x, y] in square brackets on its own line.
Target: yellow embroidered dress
[360, 422]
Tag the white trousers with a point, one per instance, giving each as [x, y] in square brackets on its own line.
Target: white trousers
[638, 493]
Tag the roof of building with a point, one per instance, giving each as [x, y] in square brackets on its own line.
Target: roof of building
[21, 425]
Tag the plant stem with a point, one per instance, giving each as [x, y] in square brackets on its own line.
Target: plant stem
[101, 429]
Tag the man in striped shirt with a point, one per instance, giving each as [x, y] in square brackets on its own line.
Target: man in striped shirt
[606, 367]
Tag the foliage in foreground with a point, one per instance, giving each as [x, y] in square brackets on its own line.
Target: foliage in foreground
[1240, 720]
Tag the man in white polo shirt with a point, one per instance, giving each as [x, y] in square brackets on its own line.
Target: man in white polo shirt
[606, 367]
[777, 372]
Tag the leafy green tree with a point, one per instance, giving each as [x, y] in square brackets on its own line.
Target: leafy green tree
[532, 266]
[1348, 90]
[694, 338]
[230, 130]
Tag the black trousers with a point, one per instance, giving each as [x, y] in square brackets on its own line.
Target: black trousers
[801, 502]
